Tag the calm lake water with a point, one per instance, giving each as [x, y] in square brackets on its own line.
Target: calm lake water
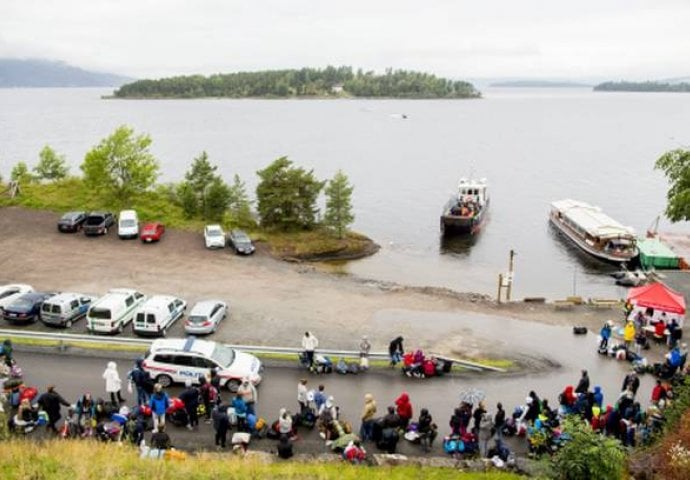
[533, 146]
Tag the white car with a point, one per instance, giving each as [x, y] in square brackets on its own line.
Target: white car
[214, 236]
[205, 317]
[128, 224]
[9, 293]
[176, 360]
[157, 314]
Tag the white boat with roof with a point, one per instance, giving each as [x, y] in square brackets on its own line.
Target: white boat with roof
[593, 231]
[467, 210]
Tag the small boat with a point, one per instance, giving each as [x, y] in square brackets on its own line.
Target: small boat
[467, 210]
[632, 279]
[593, 231]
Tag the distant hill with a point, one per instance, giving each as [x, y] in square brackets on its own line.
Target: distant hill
[329, 82]
[539, 84]
[45, 73]
[623, 86]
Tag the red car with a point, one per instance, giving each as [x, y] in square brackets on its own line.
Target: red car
[152, 232]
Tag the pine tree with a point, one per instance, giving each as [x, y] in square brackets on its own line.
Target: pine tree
[339, 214]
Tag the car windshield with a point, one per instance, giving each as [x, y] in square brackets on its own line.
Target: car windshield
[197, 319]
[214, 233]
[94, 220]
[100, 313]
[70, 216]
[223, 355]
[128, 223]
[150, 229]
[22, 304]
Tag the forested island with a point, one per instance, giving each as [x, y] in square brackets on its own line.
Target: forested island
[642, 87]
[330, 82]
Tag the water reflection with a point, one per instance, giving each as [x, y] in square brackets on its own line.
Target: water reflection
[588, 263]
[459, 245]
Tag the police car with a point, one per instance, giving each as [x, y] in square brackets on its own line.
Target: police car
[175, 360]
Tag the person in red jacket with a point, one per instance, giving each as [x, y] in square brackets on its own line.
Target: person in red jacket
[658, 393]
[404, 409]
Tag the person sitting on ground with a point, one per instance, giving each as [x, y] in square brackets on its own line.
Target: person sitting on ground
[567, 397]
[426, 428]
[354, 452]
[631, 380]
[285, 447]
[391, 419]
[598, 396]
[161, 439]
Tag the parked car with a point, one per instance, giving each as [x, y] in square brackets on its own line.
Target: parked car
[214, 236]
[157, 314]
[152, 232]
[113, 311]
[71, 221]
[128, 224]
[241, 242]
[205, 317]
[97, 223]
[9, 293]
[26, 308]
[64, 309]
[175, 360]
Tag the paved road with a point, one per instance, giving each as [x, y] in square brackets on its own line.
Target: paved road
[74, 375]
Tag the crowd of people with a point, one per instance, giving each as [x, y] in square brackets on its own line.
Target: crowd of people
[471, 428]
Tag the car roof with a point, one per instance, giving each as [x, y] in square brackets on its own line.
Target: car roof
[155, 302]
[72, 214]
[190, 344]
[97, 214]
[213, 227]
[113, 297]
[67, 296]
[21, 286]
[239, 233]
[204, 307]
[34, 296]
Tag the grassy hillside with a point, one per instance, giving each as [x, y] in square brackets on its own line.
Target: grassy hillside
[78, 460]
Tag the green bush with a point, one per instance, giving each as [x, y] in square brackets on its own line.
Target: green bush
[589, 455]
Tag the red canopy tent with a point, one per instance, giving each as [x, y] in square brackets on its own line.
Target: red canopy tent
[659, 297]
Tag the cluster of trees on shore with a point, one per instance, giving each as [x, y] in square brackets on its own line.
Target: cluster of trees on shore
[305, 82]
[121, 169]
[642, 87]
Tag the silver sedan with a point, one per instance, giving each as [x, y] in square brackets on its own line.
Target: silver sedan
[205, 317]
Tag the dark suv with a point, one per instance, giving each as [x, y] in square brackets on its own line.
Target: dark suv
[97, 223]
[71, 221]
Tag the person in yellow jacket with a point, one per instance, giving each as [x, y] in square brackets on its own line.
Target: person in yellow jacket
[629, 334]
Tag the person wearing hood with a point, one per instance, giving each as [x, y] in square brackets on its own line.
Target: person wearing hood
[567, 398]
[51, 401]
[248, 393]
[368, 413]
[629, 334]
[391, 419]
[605, 334]
[310, 343]
[141, 379]
[113, 383]
[285, 423]
[612, 425]
[598, 396]
[404, 409]
[426, 428]
[583, 384]
[532, 411]
[240, 412]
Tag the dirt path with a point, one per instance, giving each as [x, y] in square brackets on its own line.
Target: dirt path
[272, 302]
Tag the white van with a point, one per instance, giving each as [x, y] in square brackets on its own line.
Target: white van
[128, 224]
[114, 310]
[64, 309]
[157, 314]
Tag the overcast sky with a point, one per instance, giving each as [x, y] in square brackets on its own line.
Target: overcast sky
[634, 39]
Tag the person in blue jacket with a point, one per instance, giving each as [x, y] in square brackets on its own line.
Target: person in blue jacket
[159, 403]
[605, 334]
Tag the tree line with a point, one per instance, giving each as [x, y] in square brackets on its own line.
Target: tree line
[121, 168]
[642, 87]
[306, 82]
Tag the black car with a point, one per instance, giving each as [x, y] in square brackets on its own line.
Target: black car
[241, 242]
[71, 221]
[97, 223]
[26, 308]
